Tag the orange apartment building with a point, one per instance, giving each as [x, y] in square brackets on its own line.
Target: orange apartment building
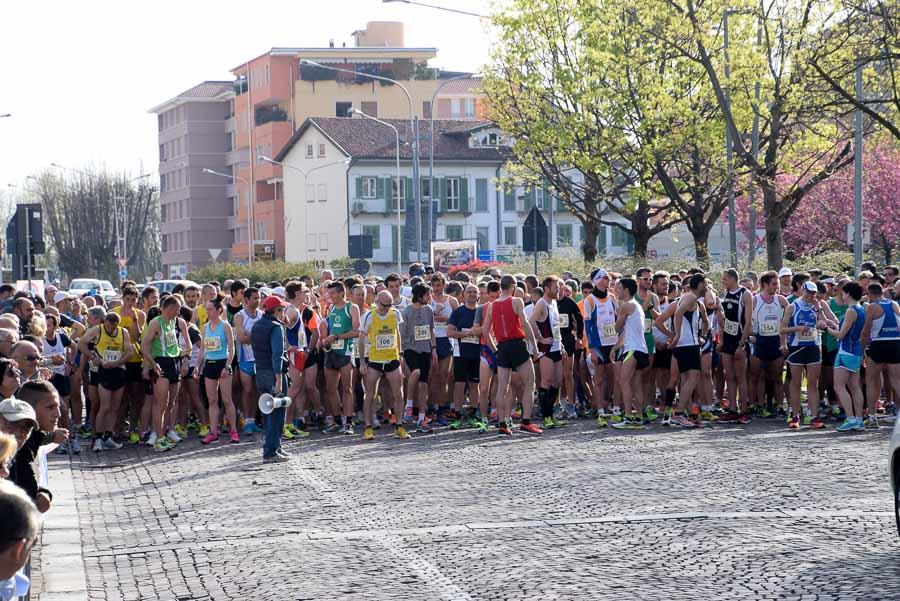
[274, 93]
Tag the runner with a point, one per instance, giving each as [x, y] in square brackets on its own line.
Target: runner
[302, 335]
[649, 302]
[848, 359]
[133, 320]
[737, 314]
[600, 326]
[466, 360]
[443, 305]
[800, 343]
[545, 321]
[571, 328]
[419, 352]
[336, 334]
[882, 334]
[379, 344]
[766, 360]
[243, 323]
[633, 356]
[216, 354]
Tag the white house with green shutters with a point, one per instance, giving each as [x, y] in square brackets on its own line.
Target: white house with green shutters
[340, 180]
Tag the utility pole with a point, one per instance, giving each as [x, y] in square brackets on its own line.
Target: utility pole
[857, 178]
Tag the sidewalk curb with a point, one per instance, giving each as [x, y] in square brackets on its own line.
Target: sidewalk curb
[62, 562]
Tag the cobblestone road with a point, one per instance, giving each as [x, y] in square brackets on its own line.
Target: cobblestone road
[753, 512]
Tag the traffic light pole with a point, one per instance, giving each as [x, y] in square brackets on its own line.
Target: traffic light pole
[536, 247]
[28, 246]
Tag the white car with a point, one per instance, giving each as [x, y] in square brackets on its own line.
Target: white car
[168, 285]
[894, 470]
[81, 286]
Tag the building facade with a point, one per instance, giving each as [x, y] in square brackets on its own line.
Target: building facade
[194, 209]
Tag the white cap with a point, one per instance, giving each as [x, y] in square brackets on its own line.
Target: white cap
[61, 296]
[14, 410]
[280, 291]
[810, 286]
[785, 271]
[265, 291]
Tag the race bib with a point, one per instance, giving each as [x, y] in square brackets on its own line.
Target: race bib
[384, 342]
[731, 327]
[423, 333]
[111, 355]
[301, 337]
[564, 320]
[609, 330]
[170, 338]
[338, 344]
[557, 335]
[471, 340]
[213, 344]
[803, 336]
[648, 324]
[769, 328]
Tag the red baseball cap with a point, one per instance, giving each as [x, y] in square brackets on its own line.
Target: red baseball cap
[273, 302]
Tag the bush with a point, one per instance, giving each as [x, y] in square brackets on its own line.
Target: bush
[261, 271]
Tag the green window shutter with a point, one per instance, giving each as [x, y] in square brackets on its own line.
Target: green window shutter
[394, 243]
[629, 242]
[437, 190]
[602, 239]
[509, 198]
[379, 187]
[529, 198]
[464, 194]
[359, 190]
[389, 194]
[443, 193]
[409, 189]
[481, 201]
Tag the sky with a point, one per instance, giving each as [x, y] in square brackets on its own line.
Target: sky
[79, 77]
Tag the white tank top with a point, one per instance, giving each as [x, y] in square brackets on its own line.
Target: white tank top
[658, 336]
[247, 349]
[634, 330]
[605, 316]
[55, 350]
[767, 316]
[440, 329]
[553, 318]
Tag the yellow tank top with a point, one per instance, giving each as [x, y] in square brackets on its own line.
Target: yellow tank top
[381, 337]
[110, 348]
[202, 317]
[125, 322]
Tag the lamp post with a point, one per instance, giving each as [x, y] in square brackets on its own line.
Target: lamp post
[431, 223]
[415, 143]
[249, 211]
[444, 8]
[399, 219]
[4, 115]
[305, 175]
[858, 176]
[729, 153]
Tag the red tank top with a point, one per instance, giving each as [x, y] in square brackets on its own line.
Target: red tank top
[505, 323]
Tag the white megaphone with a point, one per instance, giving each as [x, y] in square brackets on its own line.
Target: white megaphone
[269, 403]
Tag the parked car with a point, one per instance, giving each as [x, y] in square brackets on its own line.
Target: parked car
[894, 471]
[82, 286]
[168, 285]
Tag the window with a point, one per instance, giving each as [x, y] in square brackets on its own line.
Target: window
[454, 108]
[469, 107]
[452, 193]
[395, 184]
[618, 236]
[483, 234]
[342, 109]
[375, 232]
[539, 199]
[509, 235]
[267, 73]
[309, 151]
[370, 108]
[310, 193]
[426, 109]
[322, 193]
[369, 187]
[310, 242]
[321, 151]
[323, 241]
[162, 152]
[454, 232]
[426, 188]
[564, 234]
[162, 213]
[481, 195]
[260, 230]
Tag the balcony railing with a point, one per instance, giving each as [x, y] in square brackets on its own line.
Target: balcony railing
[268, 114]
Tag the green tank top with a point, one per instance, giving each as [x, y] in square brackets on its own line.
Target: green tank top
[828, 341]
[339, 322]
[166, 344]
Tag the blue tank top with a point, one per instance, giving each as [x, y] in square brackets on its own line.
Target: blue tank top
[805, 316]
[850, 344]
[885, 327]
[215, 344]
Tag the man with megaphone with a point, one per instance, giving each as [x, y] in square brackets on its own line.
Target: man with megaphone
[269, 350]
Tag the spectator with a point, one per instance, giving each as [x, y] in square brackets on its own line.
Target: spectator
[44, 399]
[8, 337]
[18, 533]
[8, 448]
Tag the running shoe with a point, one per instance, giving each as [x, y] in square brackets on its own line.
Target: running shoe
[456, 424]
[110, 444]
[559, 423]
[794, 424]
[635, 422]
[163, 444]
[601, 421]
[62, 448]
[134, 437]
[650, 414]
[74, 446]
[424, 426]
[98, 445]
[234, 435]
[505, 429]
[276, 458]
[530, 428]
[203, 431]
[708, 416]
[622, 425]
[571, 411]
[682, 421]
[728, 417]
[213, 436]
[369, 433]
[286, 433]
[151, 440]
[408, 415]
[173, 436]
[332, 429]
[666, 420]
[871, 423]
[817, 423]
[848, 425]
[401, 433]
[807, 420]
[493, 416]
[348, 429]
[297, 432]
[517, 413]
[548, 423]
[474, 423]
[483, 426]
[181, 431]
[249, 427]
[442, 421]
[763, 413]
[85, 431]
[616, 419]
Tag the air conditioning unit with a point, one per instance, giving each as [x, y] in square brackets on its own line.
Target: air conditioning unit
[358, 207]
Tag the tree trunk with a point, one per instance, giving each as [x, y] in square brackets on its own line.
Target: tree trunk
[641, 242]
[774, 224]
[701, 247]
[589, 244]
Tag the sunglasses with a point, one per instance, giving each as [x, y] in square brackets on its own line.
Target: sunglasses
[33, 357]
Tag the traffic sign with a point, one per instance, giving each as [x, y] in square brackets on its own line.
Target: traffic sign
[122, 261]
[214, 253]
[486, 255]
[123, 273]
[535, 233]
[158, 275]
[362, 266]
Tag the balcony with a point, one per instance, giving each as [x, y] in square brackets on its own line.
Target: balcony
[369, 206]
[230, 190]
[230, 124]
[269, 114]
[237, 157]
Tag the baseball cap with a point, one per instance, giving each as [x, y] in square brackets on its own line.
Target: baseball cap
[810, 286]
[828, 280]
[280, 291]
[599, 275]
[785, 271]
[14, 410]
[61, 296]
[273, 302]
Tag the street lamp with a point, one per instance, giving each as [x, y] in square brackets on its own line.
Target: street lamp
[305, 175]
[399, 219]
[415, 143]
[431, 223]
[249, 210]
[4, 115]
[449, 10]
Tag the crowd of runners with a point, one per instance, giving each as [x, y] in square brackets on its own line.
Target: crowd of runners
[492, 351]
